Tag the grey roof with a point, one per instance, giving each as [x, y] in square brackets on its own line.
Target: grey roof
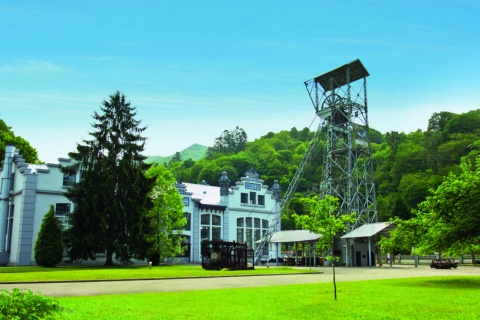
[370, 229]
[208, 195]
[356, 71]
[294, 236]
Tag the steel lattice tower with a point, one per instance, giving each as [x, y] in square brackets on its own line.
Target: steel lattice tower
[340, 100]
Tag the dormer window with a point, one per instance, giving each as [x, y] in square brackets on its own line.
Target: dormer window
[253, 198]
[244, 197]
[261, 200]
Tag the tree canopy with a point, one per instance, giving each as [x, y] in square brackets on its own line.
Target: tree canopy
[8, 137]
[448, 219]
[229, 142]
[164, 221]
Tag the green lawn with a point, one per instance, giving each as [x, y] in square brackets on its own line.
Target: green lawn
[70, 273]
[416, 298]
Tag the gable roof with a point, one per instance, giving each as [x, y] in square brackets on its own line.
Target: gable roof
[207, 195]
[370, 229]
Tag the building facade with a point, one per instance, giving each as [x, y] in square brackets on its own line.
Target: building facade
[27, 191]
[242, 212]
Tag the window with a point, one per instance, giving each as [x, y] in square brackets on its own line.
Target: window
[205, 233]
[240, 222]
[250, 230]
[261, 200]
[240, 235]
[62, 208]
[257, 235]
[216, 233]
[205, 219]
[248, 233]
[216, 220]
[188, 216]
[211, 227]
[264, 224]
[69, 180]
[253, 197]
[186, 201]
[244, 197]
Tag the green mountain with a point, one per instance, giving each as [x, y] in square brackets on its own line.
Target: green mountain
[194, 152]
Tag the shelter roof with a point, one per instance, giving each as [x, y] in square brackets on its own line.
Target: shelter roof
[338, 76]
[294, 236]
[370, 229]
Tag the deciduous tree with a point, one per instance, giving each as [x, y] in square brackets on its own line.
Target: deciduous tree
[323, 220]
[8, 137]
[165, 220]
[448, 220]
[229, 142]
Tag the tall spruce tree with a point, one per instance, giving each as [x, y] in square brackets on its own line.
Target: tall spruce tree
[112, 195]
[48, 251]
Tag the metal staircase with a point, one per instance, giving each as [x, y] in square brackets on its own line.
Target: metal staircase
[274, 226]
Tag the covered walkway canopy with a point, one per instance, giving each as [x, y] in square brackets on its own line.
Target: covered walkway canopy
[294, 236]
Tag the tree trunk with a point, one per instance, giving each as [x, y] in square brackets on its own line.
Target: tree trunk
[333, 269]
[109, 257]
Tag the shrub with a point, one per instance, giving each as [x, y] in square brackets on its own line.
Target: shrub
[23, 304]
[48, 250]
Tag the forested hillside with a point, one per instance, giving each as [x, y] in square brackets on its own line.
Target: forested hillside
[406, 165]
[194, 152]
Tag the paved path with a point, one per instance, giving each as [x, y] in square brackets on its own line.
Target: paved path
[324, 275]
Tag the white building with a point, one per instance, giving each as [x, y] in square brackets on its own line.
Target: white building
[27, 191]
[240, 213]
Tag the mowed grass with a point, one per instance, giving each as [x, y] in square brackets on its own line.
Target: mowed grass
[77, 273]
[415, 298]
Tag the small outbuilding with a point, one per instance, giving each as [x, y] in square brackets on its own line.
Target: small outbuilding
[360, 243]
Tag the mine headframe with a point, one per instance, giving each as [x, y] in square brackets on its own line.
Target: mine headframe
[340, 101]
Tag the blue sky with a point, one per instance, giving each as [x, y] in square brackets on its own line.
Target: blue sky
[196, 68]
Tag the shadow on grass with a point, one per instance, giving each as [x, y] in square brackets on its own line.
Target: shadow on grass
[62, 268]
[449, 283]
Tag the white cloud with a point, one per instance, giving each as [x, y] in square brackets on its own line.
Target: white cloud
[32, 67]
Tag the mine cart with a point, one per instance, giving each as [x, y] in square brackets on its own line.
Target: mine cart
[443, 264]
[218, 255]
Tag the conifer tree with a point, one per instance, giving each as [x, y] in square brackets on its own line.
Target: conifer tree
[48, 251]
[112, 195]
